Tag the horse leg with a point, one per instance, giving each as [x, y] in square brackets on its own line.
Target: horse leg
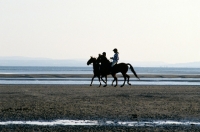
[106, 81]
[128, 79]
[124, 75]
[92, 79]
[115, 79]
[102, 79]
[99, 80]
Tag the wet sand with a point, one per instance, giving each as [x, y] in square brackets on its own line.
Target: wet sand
[91, 75]
[130, 103]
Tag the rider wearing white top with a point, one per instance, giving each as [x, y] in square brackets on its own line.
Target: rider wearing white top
[115, 58]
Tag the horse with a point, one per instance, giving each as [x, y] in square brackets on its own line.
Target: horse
[96, 70]
[121, 67]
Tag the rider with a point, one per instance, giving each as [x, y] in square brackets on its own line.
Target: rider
[104, 59]
[115, 58]
[104, 56]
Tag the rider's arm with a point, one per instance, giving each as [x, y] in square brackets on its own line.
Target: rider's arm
[116, 57]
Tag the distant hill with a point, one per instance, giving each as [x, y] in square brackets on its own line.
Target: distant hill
[146, 64]
[28, 61]
[189, 64]
[163, 64]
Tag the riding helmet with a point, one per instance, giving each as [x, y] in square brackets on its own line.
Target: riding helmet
[115, 49]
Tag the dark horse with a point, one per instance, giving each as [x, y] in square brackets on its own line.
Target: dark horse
[121, 67]
[96, 70]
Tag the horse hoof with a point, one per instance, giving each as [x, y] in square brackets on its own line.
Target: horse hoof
[121, 85]
[129, 84]
[104, 85]
[90, 85]
[115, 85]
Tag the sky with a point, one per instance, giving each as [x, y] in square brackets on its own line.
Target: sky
[142, 30]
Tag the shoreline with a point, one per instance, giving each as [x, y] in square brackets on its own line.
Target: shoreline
[85, 79]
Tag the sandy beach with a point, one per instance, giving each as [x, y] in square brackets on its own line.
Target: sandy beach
[130, 103]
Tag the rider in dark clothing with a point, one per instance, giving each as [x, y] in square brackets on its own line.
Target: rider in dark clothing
[105, 66]
[104, 57]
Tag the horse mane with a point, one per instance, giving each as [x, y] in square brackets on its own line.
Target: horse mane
[93, 57]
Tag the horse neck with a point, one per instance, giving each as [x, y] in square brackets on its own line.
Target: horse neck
[95, 64]
[105, 62]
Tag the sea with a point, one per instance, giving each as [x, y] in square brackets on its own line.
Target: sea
[89, 70]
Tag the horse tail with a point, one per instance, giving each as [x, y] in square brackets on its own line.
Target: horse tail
[133, 71]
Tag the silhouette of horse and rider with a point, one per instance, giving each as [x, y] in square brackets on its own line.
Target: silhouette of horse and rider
[103, 67]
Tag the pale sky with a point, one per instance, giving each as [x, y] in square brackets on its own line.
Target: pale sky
[142, 30]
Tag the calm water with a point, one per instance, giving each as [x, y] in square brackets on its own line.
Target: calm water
[88, 70]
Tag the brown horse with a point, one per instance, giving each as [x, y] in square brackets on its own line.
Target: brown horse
[121, 67]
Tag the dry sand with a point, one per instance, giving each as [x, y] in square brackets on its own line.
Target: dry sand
[130, 103]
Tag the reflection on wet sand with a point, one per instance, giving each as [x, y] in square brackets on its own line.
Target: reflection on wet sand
[134, 81]
[103, 123]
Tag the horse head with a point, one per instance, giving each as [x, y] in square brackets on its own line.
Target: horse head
[91, 60]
